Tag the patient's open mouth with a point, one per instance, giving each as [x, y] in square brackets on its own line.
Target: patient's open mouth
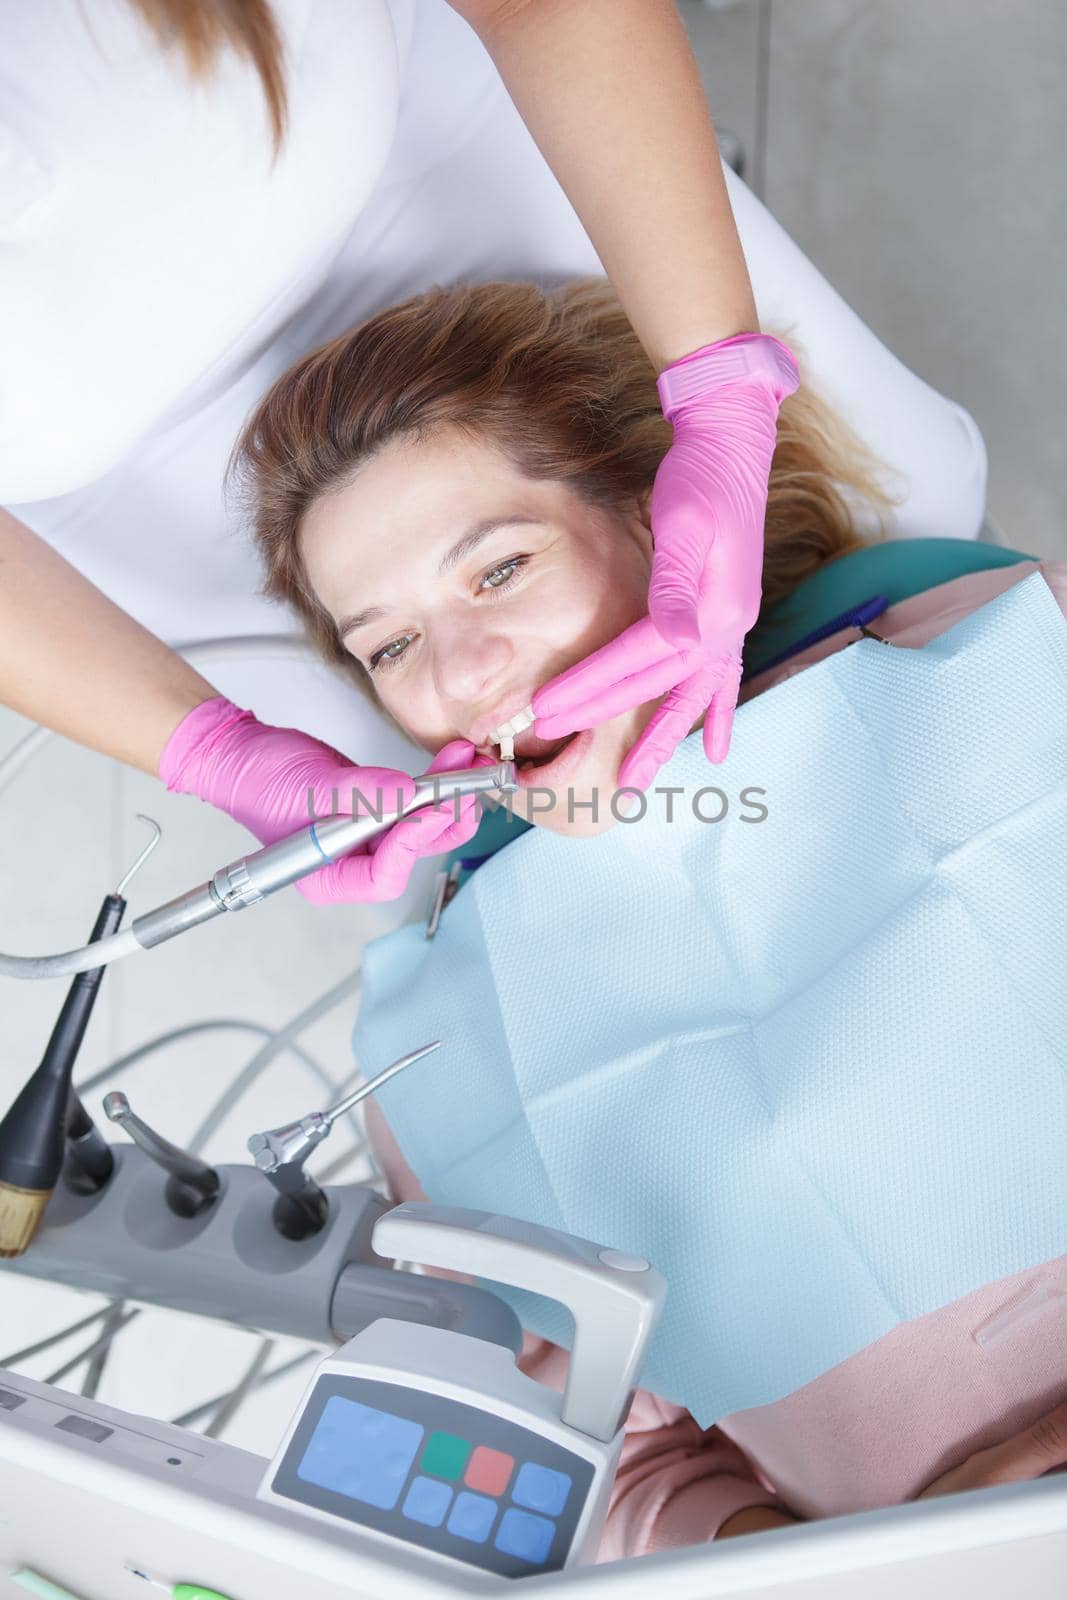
[556, 762]
[528, 763]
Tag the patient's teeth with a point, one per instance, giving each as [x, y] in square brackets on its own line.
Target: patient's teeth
[516, 724]
[507, 747]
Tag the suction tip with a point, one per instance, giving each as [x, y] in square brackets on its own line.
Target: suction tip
[21, 1211]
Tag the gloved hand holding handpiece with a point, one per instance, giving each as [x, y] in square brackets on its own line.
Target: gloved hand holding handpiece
[260, 776]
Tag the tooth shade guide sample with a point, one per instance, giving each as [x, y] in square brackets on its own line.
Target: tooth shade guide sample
[517, 724]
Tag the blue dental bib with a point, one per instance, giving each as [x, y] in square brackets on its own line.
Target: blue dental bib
[811, 1063]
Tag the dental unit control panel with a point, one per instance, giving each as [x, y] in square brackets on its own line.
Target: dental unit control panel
[435, 1438]
[419, 1449]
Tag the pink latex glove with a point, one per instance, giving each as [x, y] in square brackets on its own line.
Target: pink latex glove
[260, 776]
[709, 501]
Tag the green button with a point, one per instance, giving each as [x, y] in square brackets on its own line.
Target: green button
[445, 1455]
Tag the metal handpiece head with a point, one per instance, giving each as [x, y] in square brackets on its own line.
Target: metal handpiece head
[116, 1106]
[506, 771]
[433, 788]
[289, 1145]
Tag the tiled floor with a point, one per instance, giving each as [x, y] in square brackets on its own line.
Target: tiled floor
[915, 152]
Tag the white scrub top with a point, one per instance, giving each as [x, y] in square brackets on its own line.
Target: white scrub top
[149, 251]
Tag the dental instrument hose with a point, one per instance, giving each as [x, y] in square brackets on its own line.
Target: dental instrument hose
[251, 878]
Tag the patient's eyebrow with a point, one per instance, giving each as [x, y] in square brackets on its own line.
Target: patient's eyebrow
[459, 551]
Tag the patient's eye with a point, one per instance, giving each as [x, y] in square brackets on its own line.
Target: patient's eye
[514, 562]
[381, 660]
[383, 654]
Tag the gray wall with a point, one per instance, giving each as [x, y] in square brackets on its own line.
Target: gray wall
[915, 150]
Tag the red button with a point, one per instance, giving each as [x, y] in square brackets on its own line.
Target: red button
[488, 1470]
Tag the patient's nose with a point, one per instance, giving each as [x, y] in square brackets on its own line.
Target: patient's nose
[471, 657]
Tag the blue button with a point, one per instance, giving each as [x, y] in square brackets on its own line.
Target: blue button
[541, 1489]
[427, 1501]
[361, 1452]
[472, 1517]
[520, 1534]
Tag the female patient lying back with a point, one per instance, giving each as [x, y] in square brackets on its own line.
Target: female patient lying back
[473, 468]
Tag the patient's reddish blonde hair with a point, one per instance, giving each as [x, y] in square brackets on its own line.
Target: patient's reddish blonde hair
[555, 379]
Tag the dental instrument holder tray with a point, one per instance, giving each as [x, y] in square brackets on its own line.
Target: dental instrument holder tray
[230, 1262]
[431, 1437]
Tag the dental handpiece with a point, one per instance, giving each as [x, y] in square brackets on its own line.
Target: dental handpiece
[193, 1183]
[251, 878]
[281, 1152]
[287, 1148]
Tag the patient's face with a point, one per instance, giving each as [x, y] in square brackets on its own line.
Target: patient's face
[454, 653]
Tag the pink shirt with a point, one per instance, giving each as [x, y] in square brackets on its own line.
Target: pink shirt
[877, 1428]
